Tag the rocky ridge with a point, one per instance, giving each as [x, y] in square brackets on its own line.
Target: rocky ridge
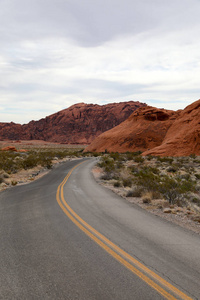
[78, 124]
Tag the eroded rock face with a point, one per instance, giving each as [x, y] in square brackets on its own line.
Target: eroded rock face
[183, 137]
[78, 124]
[144, 129]
[156, 132]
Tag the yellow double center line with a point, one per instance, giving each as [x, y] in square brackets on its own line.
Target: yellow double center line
[152, 279]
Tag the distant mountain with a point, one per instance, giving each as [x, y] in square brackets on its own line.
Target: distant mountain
[155, 132]
[78, 124]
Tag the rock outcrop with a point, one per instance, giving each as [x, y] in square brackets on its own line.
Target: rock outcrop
[156, 132]
[144, 129]
[183, 137]
[78, 124]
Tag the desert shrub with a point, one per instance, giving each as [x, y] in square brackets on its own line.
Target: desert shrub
[172, 169]
[136, 192]
[147, 179]
[30, 161]
[134, 170]
[172, 188]
[107, 164]
[168, 160]
[96, 154]
[107, 176]
[184, 176]
[150, 169]
[119, 165]
[115, 156]
[5, 175]
[197, 175]
[139, 159]
[193, 156]
[149, 157]
[156, 194]
[127, 182]
[117, 183]
[196, 201]
[147, 197]
[132, 155]
[187, 186]
[14, 182]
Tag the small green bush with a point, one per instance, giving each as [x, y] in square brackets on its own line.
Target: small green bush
[139, 159]
[168, 160]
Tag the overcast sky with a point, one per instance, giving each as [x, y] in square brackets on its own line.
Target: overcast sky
[55, 53]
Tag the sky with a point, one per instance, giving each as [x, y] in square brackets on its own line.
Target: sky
[55, 53]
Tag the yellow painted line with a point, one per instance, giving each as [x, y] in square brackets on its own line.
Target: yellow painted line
[101, 240]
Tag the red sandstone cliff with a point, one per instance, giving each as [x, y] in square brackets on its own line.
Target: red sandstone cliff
[155, 132]
[183, 137]
[144, 129]
[78, 124]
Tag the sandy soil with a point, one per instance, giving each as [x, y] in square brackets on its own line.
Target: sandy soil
[181, 216]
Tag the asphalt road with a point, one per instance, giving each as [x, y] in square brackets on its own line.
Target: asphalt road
[66, 237]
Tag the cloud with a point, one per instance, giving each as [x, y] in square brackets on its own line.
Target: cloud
[56, 53]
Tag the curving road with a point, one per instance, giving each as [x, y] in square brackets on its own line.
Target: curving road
[65, 237]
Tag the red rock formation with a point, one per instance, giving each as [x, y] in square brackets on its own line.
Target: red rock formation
[9, 148]
[183, 137]
[144, 129]
[78, 124]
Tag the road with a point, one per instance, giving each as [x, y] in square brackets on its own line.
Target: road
[66, 237]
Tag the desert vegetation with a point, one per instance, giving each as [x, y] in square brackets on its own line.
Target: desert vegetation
[167, 183]
[31, 161]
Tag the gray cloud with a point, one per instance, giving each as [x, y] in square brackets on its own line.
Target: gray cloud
[91, 22]
[54, 53]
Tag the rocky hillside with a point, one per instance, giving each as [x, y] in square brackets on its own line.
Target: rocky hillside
[78, 124]
[183, 137]
[156, 132]
[144, 129]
